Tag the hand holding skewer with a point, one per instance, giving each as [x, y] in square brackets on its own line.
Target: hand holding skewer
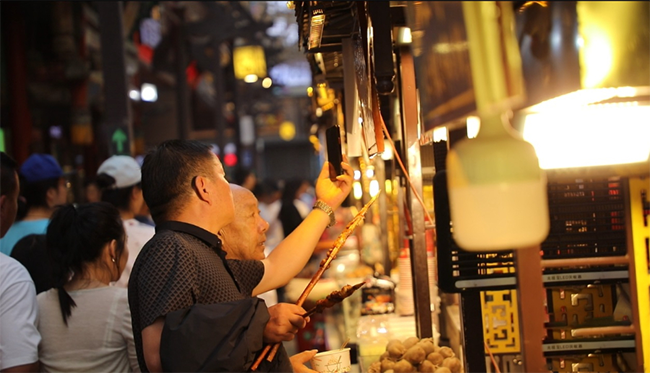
[324, 264]
[333, 298]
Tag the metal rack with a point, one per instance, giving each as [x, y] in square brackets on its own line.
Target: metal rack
[588, 244]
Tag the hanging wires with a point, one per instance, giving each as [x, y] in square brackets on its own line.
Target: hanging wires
[406, 174]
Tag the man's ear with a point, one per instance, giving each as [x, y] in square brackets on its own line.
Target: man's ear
[135, 192]
[50, 195]
[201, 189]
[3, 200]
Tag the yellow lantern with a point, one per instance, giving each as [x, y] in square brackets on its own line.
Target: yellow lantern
[249, 62]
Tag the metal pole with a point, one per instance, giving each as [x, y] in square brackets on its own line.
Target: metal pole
[420, 273]
[380, 171]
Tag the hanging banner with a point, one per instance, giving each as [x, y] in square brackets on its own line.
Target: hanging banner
[351, 94]
[365, 97]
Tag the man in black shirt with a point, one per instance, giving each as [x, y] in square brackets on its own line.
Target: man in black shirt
[181, 277]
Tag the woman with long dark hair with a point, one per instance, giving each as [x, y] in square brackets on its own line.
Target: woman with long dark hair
[85, 324]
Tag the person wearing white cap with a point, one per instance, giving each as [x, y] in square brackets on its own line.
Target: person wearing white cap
[119, 180]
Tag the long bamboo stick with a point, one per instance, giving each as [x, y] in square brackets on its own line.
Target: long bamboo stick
[271, 350]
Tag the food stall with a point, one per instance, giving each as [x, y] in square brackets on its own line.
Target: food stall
[515, 231]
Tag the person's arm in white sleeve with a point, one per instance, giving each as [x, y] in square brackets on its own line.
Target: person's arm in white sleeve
[19, 336]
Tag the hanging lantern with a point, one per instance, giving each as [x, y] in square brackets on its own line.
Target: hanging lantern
[249, 62]
[497, 191]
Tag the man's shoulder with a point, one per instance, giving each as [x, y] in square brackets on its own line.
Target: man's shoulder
[164, 243]
[11, 269]
[12, 272]
[166, 237]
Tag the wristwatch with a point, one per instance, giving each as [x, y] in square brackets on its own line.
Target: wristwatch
[327, 209]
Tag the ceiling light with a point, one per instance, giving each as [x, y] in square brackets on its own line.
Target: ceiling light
[149, 92]
[134, 94]
[250, 78]
[595, 135]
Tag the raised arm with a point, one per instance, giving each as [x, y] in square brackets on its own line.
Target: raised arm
[291, 255]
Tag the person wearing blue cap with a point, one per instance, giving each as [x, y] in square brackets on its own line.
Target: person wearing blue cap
[44, 188]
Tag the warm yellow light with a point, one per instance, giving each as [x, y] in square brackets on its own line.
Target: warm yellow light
[598, 55]
[582, 97]
[250, 78]
[310, 91]
[316, 30]
[473, 126]
[373, 188]
[315, 142]
[370, 172]
[267, 82]
[287, 130]
[387, 154]
[249, 60]
[357, 192]
[404, 36]
[357, 174]
[590, 136]
[388, 186]
[440, 134]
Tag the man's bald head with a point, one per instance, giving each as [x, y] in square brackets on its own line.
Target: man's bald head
[244, 238]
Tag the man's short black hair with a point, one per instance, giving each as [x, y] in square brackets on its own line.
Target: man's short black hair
[9, 166]
[167, 174]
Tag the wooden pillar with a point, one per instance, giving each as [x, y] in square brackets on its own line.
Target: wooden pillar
[530, 290]
[20, 116]
[117, 131]
[218, 82]
[182, 90]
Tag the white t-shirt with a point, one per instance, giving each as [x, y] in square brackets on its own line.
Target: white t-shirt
[137, 234]
[98, 337]
[19, 336]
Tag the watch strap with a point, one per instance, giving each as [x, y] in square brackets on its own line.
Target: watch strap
[327, 209]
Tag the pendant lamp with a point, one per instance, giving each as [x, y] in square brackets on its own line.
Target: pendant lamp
[497, 191]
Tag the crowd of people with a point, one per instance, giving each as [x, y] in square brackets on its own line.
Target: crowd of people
[171, 266]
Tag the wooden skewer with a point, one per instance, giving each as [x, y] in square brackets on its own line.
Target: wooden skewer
[324, 264]
[344, 294]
